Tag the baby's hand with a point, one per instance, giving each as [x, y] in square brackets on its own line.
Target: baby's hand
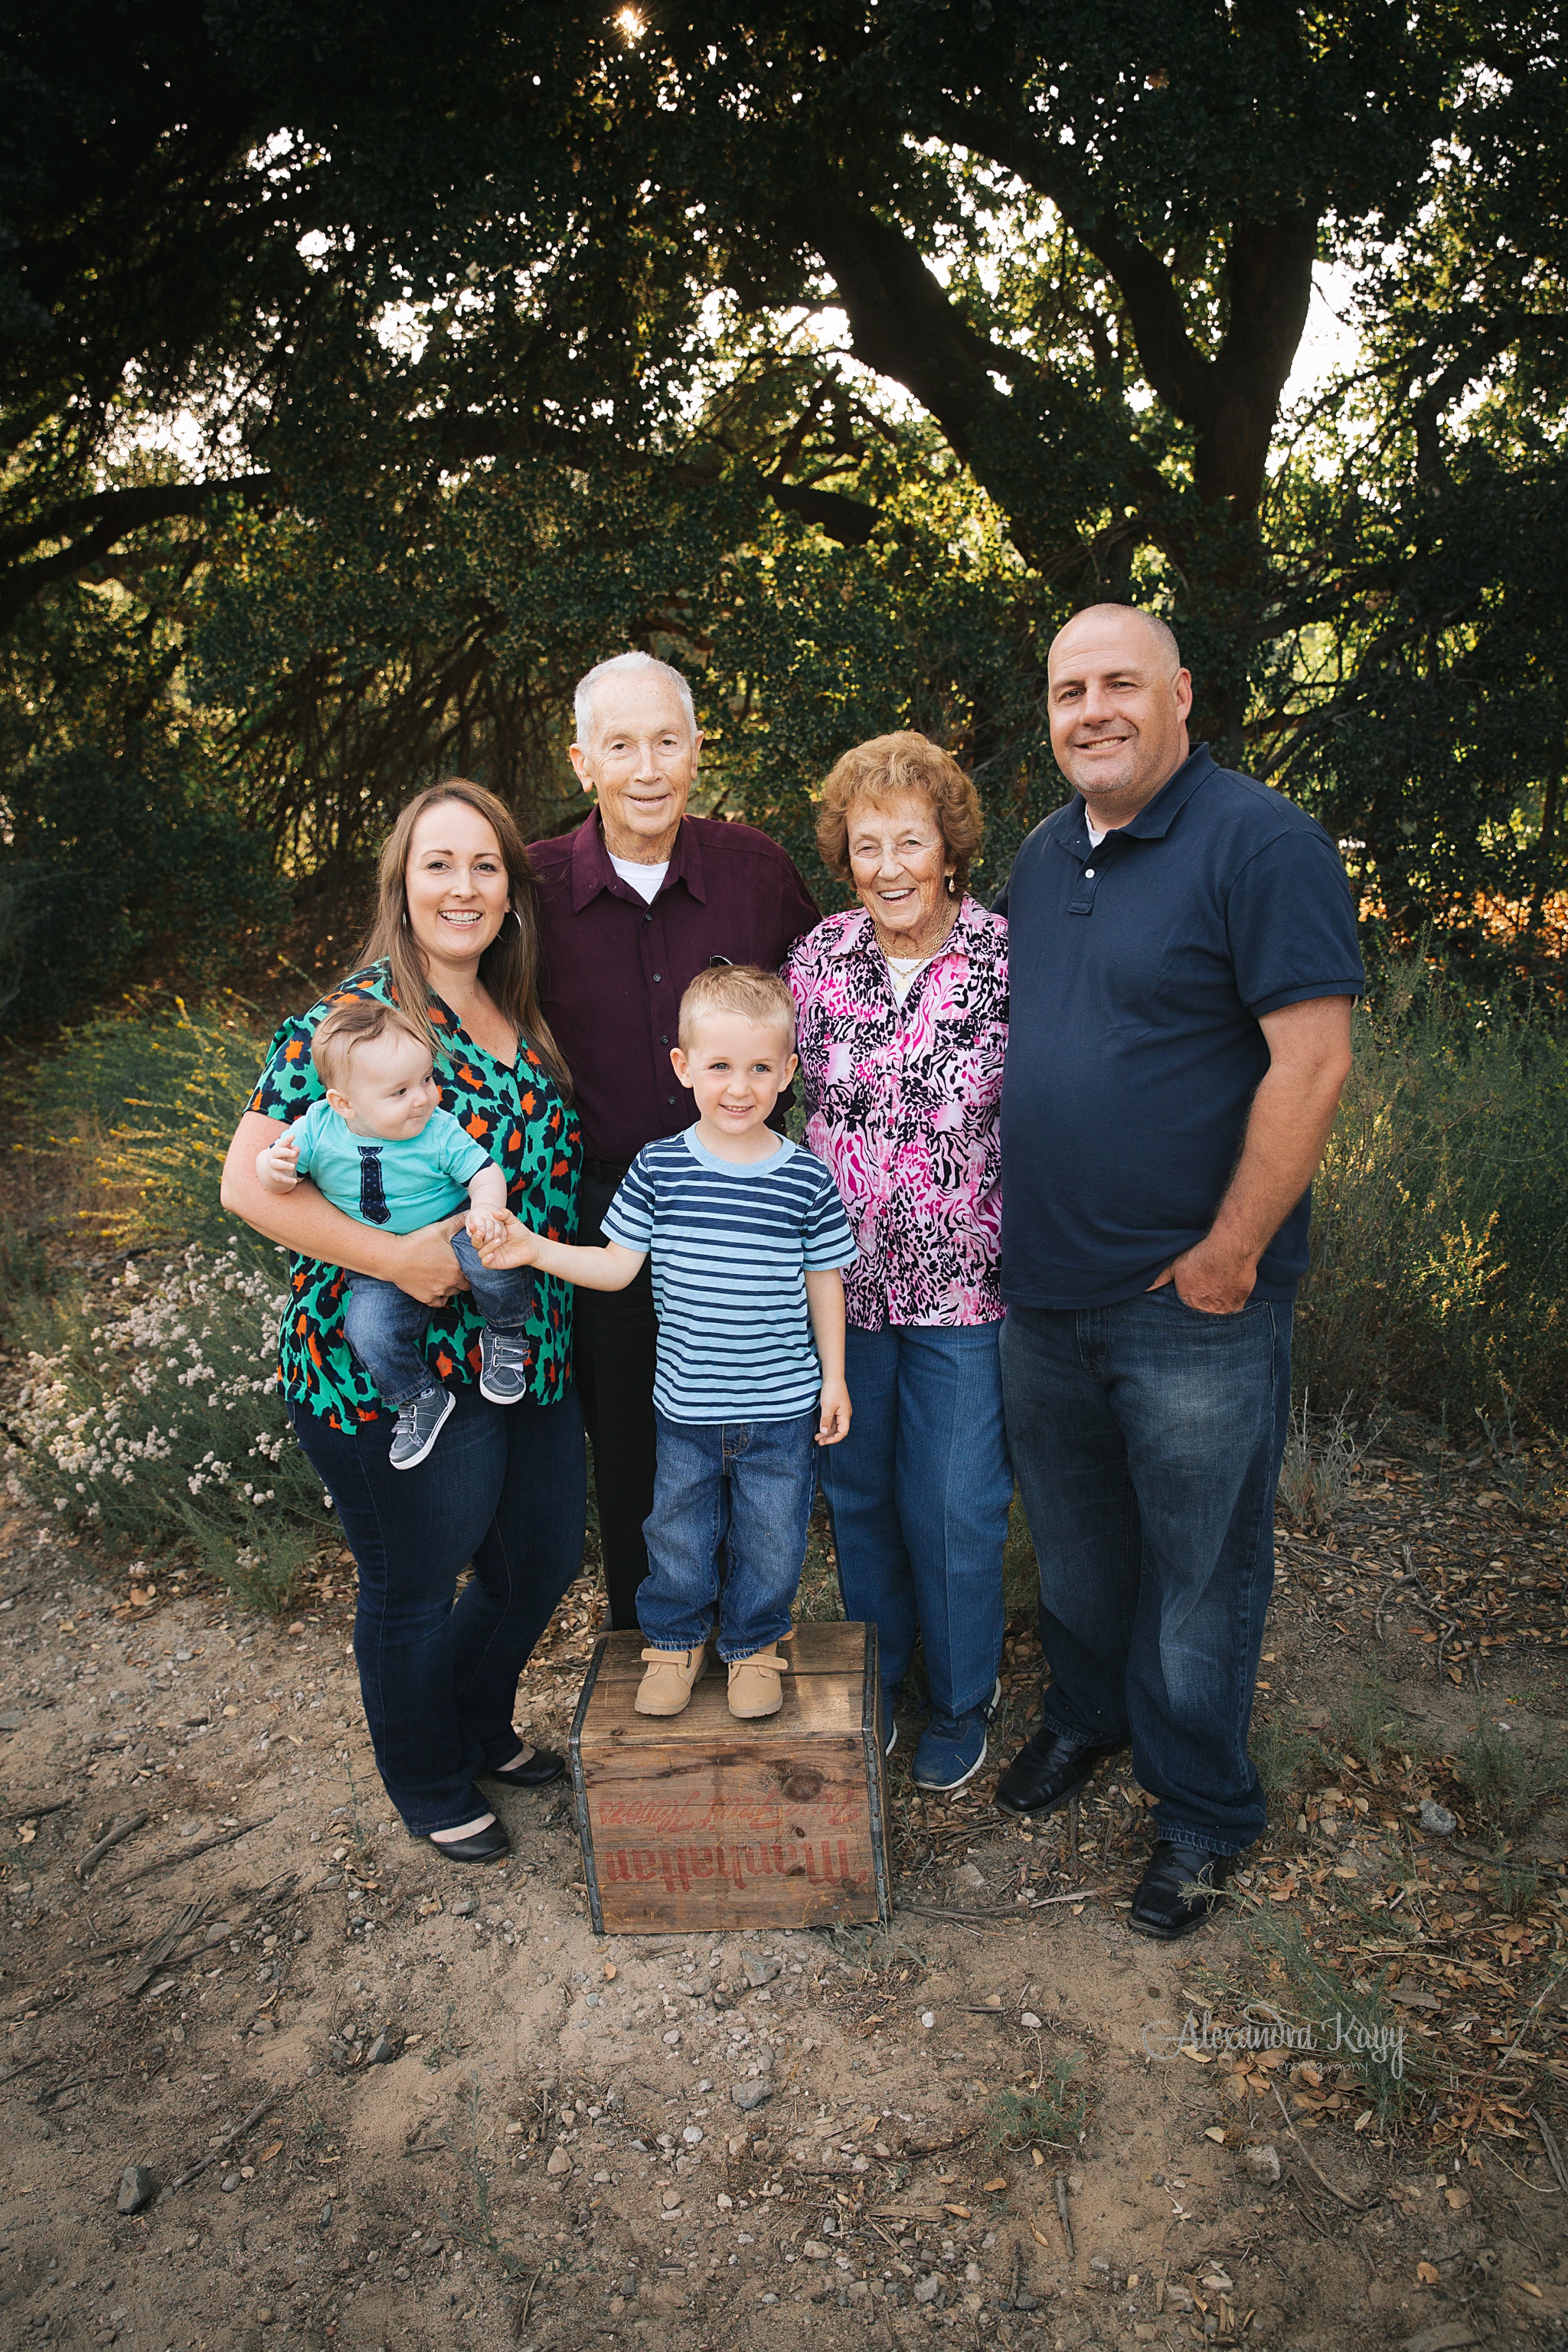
[833, 1419]
[499, 1240]
[277, 1166]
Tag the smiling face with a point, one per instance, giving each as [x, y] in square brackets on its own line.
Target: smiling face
[737, 1069]
[457, 885]
[640, 757]
[390, 1088]
[1119, 707]
[898, 863]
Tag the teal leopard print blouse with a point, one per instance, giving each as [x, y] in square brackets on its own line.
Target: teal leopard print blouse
[517, 1113]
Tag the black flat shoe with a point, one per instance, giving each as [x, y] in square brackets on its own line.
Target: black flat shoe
[1049, 1770]
[543, 1767]
[485, 1845]
[1163, 1907]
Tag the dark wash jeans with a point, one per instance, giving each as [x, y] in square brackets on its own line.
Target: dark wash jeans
[919, 1495]
[727, 1533]
[615, 1337]
[384, 1325]
[505, 1489]
[1147, 1439]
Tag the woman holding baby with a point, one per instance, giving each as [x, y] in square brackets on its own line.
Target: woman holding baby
[436, 1082]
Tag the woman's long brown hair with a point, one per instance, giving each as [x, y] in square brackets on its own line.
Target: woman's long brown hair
[509, 966]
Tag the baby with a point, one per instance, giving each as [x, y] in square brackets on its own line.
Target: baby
[748, 1236]
[382, 1149]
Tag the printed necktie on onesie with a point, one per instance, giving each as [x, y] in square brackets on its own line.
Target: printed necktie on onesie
[373, 1206]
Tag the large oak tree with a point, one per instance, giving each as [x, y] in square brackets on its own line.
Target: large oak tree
[376, 259]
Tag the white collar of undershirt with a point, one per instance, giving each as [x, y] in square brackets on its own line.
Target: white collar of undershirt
[644, 879]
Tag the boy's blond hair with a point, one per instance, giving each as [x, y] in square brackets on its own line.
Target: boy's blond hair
[744, 989]
[359, 1022]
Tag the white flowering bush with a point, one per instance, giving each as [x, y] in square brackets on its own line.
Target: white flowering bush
[148, 1413]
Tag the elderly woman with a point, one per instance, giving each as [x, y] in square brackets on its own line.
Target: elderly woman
[454, 944]
[902, 1006]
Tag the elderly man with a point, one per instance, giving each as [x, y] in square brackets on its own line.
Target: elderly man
[632, 906]
[1184, 962]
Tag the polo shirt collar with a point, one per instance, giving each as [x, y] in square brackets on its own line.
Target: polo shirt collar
[1154, 821]
[593, 872]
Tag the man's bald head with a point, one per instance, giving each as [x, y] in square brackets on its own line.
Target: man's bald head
[1161, 632]
[1119, 701]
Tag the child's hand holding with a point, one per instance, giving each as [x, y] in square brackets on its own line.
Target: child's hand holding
[501, 1241]
[278, 1167]
[833, 1421]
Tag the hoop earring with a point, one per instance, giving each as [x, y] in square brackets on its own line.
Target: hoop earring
[516, 918]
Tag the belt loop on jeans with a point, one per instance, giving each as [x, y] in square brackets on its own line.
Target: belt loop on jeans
[606, 1172]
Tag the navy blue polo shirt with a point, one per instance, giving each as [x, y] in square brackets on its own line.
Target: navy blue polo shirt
[1138, 972]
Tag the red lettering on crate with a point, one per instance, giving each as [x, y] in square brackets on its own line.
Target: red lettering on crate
[675, 1819]
[825, 1861]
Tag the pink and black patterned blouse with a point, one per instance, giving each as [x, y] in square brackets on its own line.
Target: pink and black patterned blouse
[902, 1105]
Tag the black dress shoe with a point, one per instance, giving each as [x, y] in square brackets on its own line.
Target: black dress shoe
[485, 1845]
[1049, 1770]
[543, 1767]
[1163, 1907]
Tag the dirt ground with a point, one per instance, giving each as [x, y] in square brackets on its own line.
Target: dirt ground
[386, 2101]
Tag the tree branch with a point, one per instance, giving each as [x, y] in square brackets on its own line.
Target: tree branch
[1176, 368]
[845, 519]
[902, 323]
[94, 526]
[1230, 401]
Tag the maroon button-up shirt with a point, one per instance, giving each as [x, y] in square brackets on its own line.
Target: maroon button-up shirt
[613, 970]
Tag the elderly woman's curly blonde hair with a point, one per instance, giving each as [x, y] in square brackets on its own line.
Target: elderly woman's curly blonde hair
[884, 770]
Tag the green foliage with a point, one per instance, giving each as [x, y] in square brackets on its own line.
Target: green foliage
[515, 352]
[1505, 1780]
[1314, 1473]
[1052, 2116]
[1397, 2073]
[124, 835]
[26, 1274]
[151, 1418]
[115, 855]
[1020, 1570]
[1440, 1257]
[818, 1599]
[1518, 1885]
[143, 1102]
[1366, 1721]
[1280, 1756]
[1365, 1724]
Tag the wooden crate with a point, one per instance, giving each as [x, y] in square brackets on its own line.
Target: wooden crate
[700, 1821]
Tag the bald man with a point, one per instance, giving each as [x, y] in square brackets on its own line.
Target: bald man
[1183, 962]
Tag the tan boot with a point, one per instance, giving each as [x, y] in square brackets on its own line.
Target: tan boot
[755, 1684]
[672, 1676]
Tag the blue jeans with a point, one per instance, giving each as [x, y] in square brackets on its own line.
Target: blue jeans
[733, 1492]
[384, 1327]
[1147, 1437]
[919, 1493]
[505, 1489]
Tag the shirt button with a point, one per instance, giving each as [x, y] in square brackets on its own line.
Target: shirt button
[659, 975]
[649, 917]
[664, 1041]
[670, 1098]
[1089, 873]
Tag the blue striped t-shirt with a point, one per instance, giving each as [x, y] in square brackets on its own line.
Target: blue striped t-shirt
[731, 1246]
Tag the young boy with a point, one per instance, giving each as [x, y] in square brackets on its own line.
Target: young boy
[748, 1237]
[381, 1148]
